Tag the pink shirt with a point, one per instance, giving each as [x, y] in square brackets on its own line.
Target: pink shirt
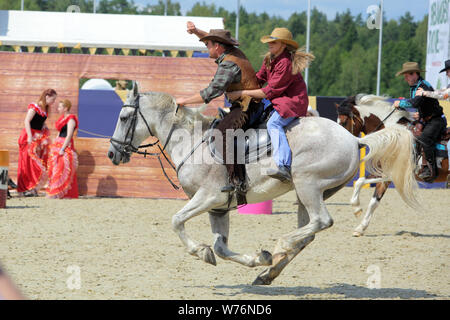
[286, 91]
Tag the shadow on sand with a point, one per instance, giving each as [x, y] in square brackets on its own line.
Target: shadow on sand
[409, 233]
[341, 290]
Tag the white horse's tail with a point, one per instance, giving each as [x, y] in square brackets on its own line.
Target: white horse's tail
[391, 155]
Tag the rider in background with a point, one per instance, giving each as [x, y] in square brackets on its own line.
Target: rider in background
[443, 94]
[286, 89]
[429, 112]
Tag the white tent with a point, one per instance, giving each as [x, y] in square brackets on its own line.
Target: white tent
[97, 84]
[56, 29]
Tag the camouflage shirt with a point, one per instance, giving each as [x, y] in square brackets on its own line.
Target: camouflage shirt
[227, 72]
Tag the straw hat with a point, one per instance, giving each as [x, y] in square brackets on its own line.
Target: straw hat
[282, 34]
[409, 67]
[220, 35]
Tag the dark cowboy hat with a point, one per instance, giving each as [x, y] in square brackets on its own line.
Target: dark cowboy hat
[447, 66]
[220, 35]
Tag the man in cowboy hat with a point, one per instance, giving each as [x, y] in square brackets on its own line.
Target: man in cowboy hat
[443, 94]
[234, 72]
[429, 112]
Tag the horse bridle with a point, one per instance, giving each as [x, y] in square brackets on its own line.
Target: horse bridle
[126, 148]
[352, 117]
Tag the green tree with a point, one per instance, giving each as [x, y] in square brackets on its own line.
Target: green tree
[15, 5]
[173, 8]
[346, 50]
[117, 6]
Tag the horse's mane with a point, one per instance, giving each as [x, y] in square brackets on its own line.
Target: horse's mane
[380, 106]
[185, 116]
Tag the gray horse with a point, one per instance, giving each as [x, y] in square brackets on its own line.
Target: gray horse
[325, 157]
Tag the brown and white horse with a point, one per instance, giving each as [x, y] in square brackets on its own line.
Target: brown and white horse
[366, 114]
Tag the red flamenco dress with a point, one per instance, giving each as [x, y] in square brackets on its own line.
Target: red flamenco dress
[62, 169]
[32, 166]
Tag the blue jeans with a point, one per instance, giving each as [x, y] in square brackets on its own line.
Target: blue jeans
[281, 151]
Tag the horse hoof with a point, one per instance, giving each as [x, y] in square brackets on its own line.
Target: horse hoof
[357, 234]
[262, 280]
[264, 258]
[207, 255]
[357, 212]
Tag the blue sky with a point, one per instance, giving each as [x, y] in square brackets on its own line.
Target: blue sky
[284, 8]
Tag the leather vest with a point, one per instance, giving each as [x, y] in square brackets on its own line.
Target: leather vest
[248, 76]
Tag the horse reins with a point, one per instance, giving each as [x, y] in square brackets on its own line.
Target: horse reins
[126, 148]
[382, 122]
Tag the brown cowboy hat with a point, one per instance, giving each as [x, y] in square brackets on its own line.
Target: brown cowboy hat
[409, 67]
[220, 35]
[282, 34]
[446, 67]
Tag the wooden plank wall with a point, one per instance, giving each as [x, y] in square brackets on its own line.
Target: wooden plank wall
[24, 76]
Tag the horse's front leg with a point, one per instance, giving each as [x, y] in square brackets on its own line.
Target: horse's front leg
[202, 201]
[220, 225]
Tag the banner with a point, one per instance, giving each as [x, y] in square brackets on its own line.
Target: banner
[438, 42]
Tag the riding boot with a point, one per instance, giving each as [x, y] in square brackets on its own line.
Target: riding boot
[283, 173]
[430, 170]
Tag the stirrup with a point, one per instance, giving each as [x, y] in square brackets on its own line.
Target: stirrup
[426, 174]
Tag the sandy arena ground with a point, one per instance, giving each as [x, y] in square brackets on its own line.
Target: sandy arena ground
[125, 249]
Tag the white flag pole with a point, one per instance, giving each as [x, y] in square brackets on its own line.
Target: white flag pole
[380, 45]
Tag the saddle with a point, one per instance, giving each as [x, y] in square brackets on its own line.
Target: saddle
[256, 138]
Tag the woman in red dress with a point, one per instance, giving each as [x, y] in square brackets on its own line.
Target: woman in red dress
[63, 160]
[33, 146]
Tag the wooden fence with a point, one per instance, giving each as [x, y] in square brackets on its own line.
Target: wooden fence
[23, 77]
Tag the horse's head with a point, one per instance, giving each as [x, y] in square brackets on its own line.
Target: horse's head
[348, 116]
[131, 128]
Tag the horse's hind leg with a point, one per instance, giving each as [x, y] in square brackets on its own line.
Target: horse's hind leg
[220, 224]
[312, 218]
[379, 192]
[354, 201]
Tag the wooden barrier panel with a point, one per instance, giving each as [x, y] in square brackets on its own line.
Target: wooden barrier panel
[24, 76]
[4, 164]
